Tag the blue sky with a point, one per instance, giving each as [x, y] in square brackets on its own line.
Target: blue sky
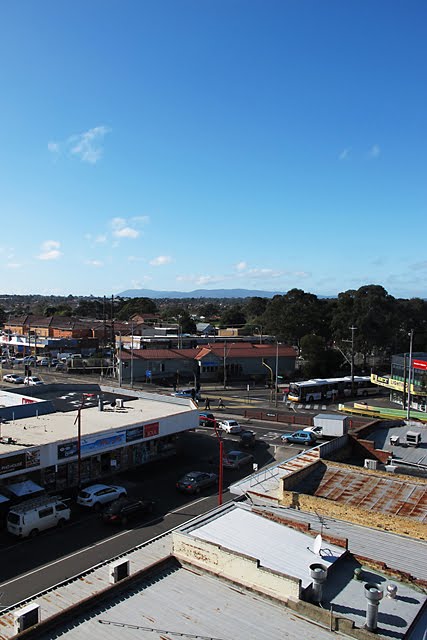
[183, 144]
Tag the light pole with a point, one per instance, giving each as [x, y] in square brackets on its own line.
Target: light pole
[408, 408]
[271, 378]
[277, 374]
[218, 434]
[79, 437]
[131, 360]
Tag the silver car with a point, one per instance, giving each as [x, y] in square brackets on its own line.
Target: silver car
[98, 494]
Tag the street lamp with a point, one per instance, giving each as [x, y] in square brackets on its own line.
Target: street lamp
[79, 436]
[408, 408]
[218, 433]
[277, 373]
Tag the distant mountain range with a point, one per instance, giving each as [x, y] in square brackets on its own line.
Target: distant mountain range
[200, 293]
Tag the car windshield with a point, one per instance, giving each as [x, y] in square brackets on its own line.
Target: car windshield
[84, 494]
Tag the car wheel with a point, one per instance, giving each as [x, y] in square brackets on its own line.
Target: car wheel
[124, 521]
[61, 523]
[97, 506]
[197, 490]
[34, 533]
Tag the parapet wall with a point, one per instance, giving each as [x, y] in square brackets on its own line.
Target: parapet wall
[236, 567]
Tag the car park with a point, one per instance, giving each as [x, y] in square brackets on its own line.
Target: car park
[96, 495]
[125, 509]
[13, 378]
[299, 437]
[237, 459]
[33, 381]
[230, 426]
[206, 419]
[195, 481]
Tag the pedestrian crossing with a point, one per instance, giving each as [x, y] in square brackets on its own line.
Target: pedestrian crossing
[315, 407]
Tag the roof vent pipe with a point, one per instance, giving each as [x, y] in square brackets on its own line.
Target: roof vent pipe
[374, 594]
[318, 573]
[391, 591]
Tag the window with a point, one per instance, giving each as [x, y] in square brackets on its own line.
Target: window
[43, 513]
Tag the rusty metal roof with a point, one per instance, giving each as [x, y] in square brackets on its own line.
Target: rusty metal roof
[382, 494]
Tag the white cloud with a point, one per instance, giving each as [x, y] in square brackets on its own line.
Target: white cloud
[241, 266]
[139, 284]
[13, 265]
[53, 147]
[345, 153]
[50, 250]
[88, 145]
[160, 260]
[126, 232]
[122, 229]
[263, 273]
[94, 263]
[374, 151]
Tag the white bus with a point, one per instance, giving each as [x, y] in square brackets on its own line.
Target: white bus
[330, 389]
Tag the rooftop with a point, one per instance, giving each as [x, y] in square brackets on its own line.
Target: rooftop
[383, 439]
[142, 408]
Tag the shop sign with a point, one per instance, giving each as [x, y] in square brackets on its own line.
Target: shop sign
[93, 444]
[419, 364]
[67, 450]
[151, 429]
[20, 461]
[28, 401]
[136, 433]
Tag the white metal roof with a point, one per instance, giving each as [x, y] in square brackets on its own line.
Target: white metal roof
[276, 546]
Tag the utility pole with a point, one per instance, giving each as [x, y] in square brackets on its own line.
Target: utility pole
[352, 329]
[408, 408]
[225, 369]
[277, 373]
[131, 358]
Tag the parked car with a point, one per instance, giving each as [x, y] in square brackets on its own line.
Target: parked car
[124, 509]
[230, 426]
[247, 439]
[35, 515]
[14, 378]
[299, 437]
[206, 419]
[236, 459]
[32, 381]
[187, 393]
[195, 481]
[61, 366]
[43, 362]
[98, 494]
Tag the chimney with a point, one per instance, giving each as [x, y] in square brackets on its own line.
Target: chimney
[374, 594]
[318, 573]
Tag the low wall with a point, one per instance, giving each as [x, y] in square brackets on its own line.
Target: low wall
[238, 568]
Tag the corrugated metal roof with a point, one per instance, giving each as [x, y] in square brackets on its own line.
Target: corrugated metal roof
[371, 492]
[288, 551]
[186, 602]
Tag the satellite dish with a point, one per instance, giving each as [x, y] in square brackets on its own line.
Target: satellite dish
[317, 544]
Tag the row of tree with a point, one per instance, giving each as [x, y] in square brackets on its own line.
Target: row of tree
[321, 328]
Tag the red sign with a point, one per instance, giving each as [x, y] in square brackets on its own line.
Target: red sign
[419, 364]
[28, 401]
[151, 430]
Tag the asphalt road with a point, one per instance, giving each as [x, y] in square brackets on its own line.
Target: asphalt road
[32, 565]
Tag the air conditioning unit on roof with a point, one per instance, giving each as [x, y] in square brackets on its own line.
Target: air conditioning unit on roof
[371, 464]
[119, 403]
[26, 617]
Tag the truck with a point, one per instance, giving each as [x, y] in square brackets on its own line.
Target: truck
[329, 425]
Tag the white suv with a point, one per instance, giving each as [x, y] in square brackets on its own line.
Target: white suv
[98, 494]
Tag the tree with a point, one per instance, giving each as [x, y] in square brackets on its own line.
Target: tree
[255, 307]
[136, 306]
[319, 360]
[233, 316]
[292, 316]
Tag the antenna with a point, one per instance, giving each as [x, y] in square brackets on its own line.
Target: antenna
[317, 544]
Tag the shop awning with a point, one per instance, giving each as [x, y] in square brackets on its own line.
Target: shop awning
[25, 488]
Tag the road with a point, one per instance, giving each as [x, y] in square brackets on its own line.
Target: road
[30, 566]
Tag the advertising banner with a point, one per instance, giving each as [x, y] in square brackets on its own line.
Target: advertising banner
[151, 429]
[419, 364]
[20, 461]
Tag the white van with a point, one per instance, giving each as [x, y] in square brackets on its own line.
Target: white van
[32, 516]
